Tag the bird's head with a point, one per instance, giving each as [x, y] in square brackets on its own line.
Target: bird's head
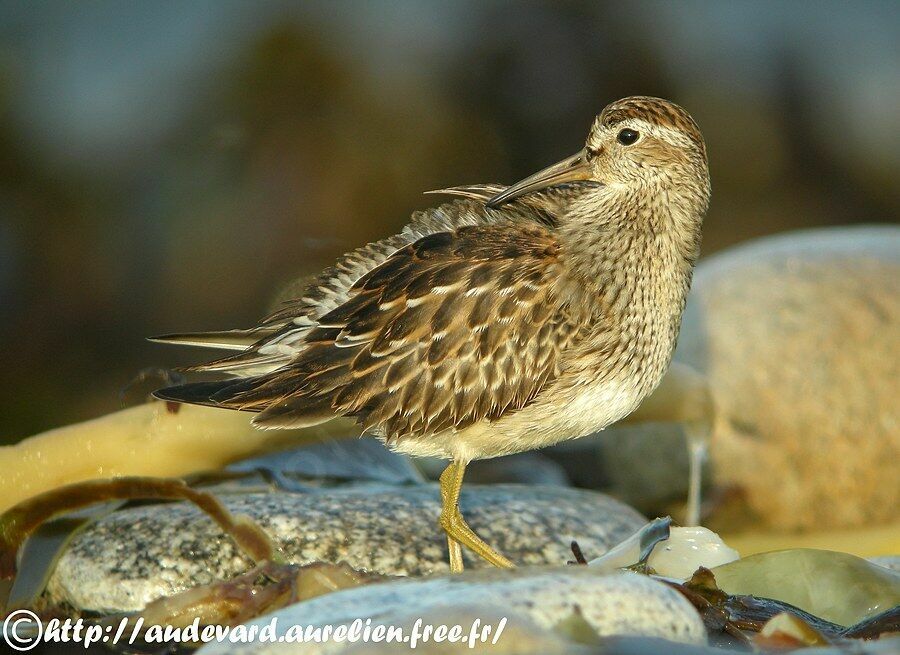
[637, 144]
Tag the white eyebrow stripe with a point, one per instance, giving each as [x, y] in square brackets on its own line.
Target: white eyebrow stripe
[662, 132]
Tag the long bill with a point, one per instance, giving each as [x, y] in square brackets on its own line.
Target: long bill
[572, 169]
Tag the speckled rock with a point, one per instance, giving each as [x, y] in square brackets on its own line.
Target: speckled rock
[798, 335]
[136, 555]
[611, 604]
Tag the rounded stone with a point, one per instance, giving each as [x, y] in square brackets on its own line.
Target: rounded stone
[608, 603]
[799, 335]
[133, 556]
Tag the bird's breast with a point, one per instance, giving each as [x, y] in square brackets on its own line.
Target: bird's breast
[559, 414]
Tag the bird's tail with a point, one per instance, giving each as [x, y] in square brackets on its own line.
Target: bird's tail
[221, 393]
[294, 413]
[224, 340]
[247, 362]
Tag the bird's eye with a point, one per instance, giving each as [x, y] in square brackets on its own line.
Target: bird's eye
[627, 137]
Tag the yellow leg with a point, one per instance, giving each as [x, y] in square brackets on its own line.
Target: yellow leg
[456, 560]
[458, 532]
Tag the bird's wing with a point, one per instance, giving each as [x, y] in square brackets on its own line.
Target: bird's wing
[282, 335]
[273, 342]
[457, 327]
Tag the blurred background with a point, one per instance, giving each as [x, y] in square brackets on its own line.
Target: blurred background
[168, 166]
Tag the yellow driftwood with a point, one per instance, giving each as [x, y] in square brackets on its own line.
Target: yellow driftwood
[147, 440]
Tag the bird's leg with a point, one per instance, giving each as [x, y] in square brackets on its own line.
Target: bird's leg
[449, 504]
[458, 532]
[456, 560]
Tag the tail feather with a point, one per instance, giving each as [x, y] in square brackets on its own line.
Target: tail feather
[224, 340]
[295, 413]
[231, 394]
[211, 394]
[242, 365]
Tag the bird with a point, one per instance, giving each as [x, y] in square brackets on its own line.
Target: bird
[506, 319]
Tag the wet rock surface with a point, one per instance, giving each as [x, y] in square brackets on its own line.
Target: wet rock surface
[136, 555]
[607, 604]
[833, 586]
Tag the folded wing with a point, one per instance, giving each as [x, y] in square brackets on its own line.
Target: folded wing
[457, 327]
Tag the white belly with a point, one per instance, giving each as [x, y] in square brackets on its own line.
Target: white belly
[557, 415]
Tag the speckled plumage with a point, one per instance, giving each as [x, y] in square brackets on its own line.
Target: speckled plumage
[481, 330]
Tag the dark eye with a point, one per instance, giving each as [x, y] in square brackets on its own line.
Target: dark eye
[626, 137]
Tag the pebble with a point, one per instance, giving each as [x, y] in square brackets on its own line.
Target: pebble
[837, 587]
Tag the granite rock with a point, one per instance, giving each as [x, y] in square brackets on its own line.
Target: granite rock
[609, 604]
[136, 555]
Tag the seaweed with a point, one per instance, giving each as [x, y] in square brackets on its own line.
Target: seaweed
[20, 521]
[263, 589]
[735, 616]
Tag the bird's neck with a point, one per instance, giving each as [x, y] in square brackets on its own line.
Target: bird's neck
[636, 252]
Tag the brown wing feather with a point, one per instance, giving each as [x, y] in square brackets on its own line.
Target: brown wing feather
[285, 331]
[287, 327]
[450, 330]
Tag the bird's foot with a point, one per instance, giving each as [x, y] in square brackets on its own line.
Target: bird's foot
[460, 534]
[458, 531]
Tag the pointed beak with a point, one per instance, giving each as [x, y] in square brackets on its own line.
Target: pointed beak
[573, 169]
